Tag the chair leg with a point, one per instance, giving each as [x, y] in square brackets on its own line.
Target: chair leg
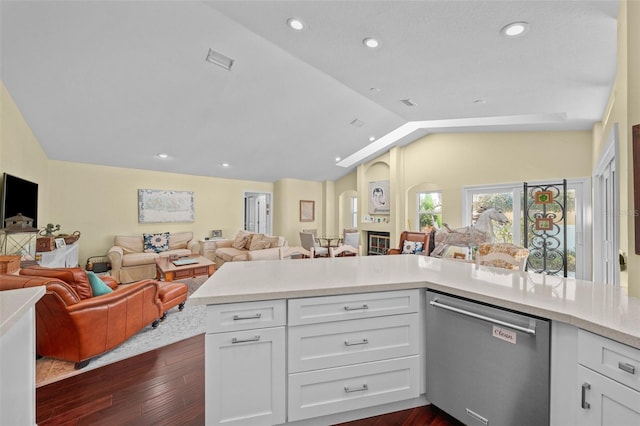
[181, 306]
[164, 317]
[155, 323]
[82, 364]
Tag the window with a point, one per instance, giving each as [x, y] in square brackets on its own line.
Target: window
[508, 198]
[353, 204]
[429, 211]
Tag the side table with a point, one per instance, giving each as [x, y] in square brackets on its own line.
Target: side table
[208, 248]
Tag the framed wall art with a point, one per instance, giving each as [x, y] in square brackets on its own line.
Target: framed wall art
[307, 211]
[379, 197]
[156, 205]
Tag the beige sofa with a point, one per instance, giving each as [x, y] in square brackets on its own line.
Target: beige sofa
[131, 262]
[261, 247]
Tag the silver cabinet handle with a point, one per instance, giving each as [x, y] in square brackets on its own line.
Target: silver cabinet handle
[584, 404]
[357, 308]
[483, 318]
[239, 318]
[364, 387]
[627, 367]
[362, 342]
[250, 339]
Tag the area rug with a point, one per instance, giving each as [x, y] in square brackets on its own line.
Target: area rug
[178, 325]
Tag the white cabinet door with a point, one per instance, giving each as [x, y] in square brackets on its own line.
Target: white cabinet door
[605, 401]
[245, 377]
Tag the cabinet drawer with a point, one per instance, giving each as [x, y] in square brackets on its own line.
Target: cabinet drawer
[334, 344]
[335, 390]
[244, 316]
[338, 308]
[615, 360]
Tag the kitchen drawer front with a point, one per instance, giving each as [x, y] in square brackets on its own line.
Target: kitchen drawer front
[335, 390]
[334, 344]
[614, 360]
[245, 316]
[352, 306]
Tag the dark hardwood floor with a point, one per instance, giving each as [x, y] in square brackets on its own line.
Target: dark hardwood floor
[162, 387]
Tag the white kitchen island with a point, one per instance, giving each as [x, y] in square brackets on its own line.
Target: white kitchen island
[267, 323]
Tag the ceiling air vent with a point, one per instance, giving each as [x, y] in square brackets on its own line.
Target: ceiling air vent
[219, 59]
[408, 102]
[357, 123]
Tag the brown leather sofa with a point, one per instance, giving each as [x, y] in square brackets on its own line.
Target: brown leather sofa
[73, 325]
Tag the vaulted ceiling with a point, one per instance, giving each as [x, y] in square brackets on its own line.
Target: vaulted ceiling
[118, 82]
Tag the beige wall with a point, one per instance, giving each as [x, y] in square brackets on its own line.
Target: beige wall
[20, 152]
[287, 207]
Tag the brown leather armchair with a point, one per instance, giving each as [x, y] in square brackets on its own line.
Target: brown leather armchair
[73, 325]
[426, 238]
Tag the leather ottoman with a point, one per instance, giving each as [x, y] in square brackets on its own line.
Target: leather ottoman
[172, 294]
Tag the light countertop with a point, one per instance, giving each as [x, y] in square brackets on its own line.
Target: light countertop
[602, 309]
[14, 303]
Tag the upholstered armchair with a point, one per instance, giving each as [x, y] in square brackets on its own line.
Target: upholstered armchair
[408, 240]
[74, 325]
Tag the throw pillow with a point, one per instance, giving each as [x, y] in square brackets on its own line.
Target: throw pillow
[98, 287]
[411, 247]
[258, 242]
[240, 240]
[247, 244]
[156, 242]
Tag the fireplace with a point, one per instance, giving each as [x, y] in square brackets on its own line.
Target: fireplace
[377, 242]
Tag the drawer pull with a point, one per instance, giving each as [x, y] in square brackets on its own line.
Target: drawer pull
[362, 342]
[364, 387]
[357, 308]
[251, 339]
[627, 367]
[584, 404]
[239, 318]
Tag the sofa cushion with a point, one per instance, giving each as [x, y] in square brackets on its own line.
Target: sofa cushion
[129, 244]
[241, 240]
[76, 277]
[156, 242]
[231, 254]
[179, 240]
[135, 259]
[258, 242]
[98, 287]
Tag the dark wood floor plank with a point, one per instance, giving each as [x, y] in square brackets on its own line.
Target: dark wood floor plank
[163, 387]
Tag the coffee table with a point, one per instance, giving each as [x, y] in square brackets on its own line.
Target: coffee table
[165, 268]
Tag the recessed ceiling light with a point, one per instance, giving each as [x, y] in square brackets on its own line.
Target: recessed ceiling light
[371, 42]
[163, 155]
[338, 159]
[224, 165]
[515, 29]
[219, 59]
[372, 138]
[295, 23]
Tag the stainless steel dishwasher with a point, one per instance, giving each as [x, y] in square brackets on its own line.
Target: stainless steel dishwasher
[486, 365]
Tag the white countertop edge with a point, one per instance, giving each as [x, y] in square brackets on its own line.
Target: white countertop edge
[14, 303]
[555, 310]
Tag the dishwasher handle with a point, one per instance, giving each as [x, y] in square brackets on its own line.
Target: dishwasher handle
[437, 304]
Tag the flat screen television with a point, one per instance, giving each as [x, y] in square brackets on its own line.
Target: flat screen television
[19, 196]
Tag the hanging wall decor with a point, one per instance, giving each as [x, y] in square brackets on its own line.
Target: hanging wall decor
[543, 197]
[379, 197]
[165, 206]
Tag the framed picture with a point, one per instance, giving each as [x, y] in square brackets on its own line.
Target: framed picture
[544, 224]
[216, 233]
[60, 242]
[307, 211]
[379, 197]
[165, 206]
[543, 197]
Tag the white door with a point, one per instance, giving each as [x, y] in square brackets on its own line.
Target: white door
[257, 212]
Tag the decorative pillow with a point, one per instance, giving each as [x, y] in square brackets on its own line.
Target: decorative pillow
[411, 247]
[240, 240]
[258, 242]
[98, 287]
[156, 242]
[247, 244]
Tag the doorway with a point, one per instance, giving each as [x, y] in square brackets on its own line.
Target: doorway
[257, 212]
